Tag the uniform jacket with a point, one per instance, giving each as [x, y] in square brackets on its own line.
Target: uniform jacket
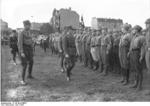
[124, 46]
[125, 40]
[88, 42]
[148, 39]
[138, 43]
[68, 45]
[60, 48]
[107, 41]
[116, 39]
[24, 38]
[13, 42]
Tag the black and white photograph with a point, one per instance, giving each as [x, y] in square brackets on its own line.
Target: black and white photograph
[74, 51]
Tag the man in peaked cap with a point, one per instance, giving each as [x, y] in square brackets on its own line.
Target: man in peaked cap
[106, 45]
[69, 52]
[136, 54]
[83, 44]
[124, 45]
[78, 45]
[115, 54]
[25, 45]
[95, 46]
[88, 57]
[147, 57]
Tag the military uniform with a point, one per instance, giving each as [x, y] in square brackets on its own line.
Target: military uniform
[88, 56]
[82, 46]
[115, 52]
[78, 45]
[136, 56]
[95, 48]
[13, 45]
[25, 45]
[123, 52]
[84, 38]
[56, 38]
[99, 50]
[69, 50]
[147, 56]
[51, 43]
[60, 49]
[106, 45]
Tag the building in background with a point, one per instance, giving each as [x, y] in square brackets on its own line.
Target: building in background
[111, 24]
[36, 26]
[4, 25]
[5, 30]
[63, 18]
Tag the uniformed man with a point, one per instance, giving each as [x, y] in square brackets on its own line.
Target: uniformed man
[98, 43]
[56, 42]
[25, 44]
[104, 32]
[78, 44]
[88, 57]
[13, 45]
[51, 43]
[69, 49]
[60, 49]
[123, 53]
[106, 45]
[84, 38]
[136, 54]
[115, 54]
[147, 57]
[95, 48]
[81, 42]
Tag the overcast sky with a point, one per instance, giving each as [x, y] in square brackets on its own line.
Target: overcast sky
[131, 11]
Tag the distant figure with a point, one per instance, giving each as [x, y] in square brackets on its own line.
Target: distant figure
[13, 41]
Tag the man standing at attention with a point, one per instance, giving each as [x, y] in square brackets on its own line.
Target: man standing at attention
[147, 57]
[124, 46]
[25, 45]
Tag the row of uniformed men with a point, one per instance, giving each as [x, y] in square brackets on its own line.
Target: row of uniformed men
[106, 49]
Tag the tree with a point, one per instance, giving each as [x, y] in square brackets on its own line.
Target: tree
[46, 29]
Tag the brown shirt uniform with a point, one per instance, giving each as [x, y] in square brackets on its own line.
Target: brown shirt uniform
[24, 38]
[124, 46]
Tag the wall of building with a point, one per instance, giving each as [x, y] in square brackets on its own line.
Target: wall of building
[69, 18]
[36, 26]
[111, 24]
[65, 17]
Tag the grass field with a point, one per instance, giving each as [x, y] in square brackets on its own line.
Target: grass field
[51, 85]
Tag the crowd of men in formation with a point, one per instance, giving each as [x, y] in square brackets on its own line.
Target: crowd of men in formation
[125, 52]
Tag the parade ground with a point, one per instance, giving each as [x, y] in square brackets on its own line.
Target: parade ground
[50, 83]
